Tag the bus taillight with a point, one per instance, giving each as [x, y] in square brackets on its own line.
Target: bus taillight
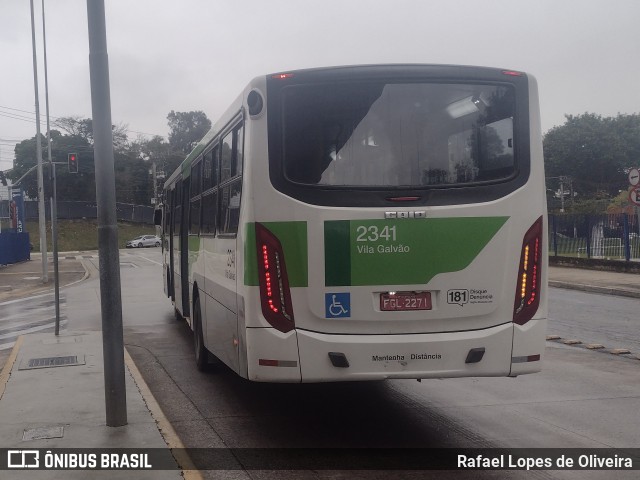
[529, 275]
[275, 296]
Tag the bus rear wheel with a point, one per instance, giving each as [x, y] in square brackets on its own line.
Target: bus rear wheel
[201, 352]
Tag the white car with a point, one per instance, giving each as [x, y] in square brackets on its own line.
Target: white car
[144, 241]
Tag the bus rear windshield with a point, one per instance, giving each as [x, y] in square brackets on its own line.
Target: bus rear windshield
[390, 135]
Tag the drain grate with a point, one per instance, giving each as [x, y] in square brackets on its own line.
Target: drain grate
[48, 362]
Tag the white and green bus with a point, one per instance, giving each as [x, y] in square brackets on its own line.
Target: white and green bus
[364, 223]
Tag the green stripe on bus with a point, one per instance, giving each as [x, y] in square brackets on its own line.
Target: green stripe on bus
[337, 253]
[293, 237]
[403, 252]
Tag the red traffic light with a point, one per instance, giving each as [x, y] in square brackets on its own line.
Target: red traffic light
[72, 159]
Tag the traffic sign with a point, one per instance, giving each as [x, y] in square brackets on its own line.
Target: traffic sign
[634, 195]
[634, 177]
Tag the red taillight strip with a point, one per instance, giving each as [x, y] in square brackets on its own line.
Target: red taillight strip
[529, 275]
[275, 296]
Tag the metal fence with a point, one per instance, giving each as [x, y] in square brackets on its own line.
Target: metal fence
[610, 237]
[75, 210]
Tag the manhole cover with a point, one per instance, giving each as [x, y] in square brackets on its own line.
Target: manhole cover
[49, 362]
[42, 433]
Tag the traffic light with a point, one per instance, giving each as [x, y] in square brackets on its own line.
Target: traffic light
[73, 162]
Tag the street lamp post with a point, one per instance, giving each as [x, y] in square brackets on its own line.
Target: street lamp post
[41, 212]
[52, 177]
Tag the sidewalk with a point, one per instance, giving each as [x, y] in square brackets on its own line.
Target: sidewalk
[595, 281]
[60, 404]
[63, 406]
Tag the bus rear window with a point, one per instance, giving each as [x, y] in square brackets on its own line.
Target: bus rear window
[389, 135]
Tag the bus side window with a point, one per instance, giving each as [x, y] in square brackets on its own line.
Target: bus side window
[194, 213]
[230, 193]
[226, 157]
[210, 191]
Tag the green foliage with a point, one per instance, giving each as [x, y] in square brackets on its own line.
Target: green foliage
[132, 160]
[186, 129]
[595, 151]
[79, 186]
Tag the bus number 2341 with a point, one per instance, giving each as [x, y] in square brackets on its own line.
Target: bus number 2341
[375, 234]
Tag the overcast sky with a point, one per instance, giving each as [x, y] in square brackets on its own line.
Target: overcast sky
[198, 54]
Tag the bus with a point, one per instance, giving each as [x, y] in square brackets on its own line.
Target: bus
[365, 223]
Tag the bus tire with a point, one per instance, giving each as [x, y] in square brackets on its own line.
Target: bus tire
[201, 352]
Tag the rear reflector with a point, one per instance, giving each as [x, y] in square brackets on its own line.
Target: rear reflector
[264, 362]
[403, 199]
[527, 359]
[275, 297]
[529, 275]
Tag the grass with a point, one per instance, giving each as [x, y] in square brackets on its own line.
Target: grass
[74, 235]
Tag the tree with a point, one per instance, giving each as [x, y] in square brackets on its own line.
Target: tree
[79, 186]
[83, 127]
[186, 129]
[595, 151]
[76, 137]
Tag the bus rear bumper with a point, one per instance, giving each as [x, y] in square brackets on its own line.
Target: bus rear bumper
[378, 357]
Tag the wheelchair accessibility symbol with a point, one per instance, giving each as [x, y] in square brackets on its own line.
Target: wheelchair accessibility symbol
[337, 305]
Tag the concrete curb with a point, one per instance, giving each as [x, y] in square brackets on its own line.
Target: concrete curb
[594, 289]
[167, 431]
[6, 371]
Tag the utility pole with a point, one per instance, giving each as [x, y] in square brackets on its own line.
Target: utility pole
[110, 291]
[52, 178]
[42, 220]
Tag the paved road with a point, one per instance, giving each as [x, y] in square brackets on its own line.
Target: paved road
[593, 318]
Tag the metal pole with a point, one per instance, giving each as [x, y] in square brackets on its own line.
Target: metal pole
[52, 177]
[110, 293]
[42, 220]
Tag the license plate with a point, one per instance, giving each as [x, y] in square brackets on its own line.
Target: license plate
[402, 301]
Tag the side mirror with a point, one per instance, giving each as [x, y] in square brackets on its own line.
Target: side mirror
[157, 217]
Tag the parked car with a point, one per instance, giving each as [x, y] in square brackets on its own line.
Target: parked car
[144, 241]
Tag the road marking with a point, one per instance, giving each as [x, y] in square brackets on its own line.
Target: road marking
[25, 299]
[144, 258]
[170, 436]
[63, 322]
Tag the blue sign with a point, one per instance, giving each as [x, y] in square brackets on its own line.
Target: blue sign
[17, 207]
[337, 305]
